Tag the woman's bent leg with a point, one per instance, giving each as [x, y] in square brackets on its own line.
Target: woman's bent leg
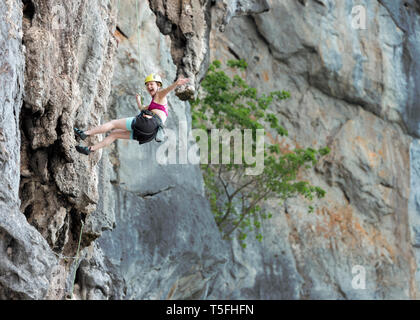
[114, 135]
[114, 124]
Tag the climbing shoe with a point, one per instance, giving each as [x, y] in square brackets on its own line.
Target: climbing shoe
[80, 133]
[84, 150]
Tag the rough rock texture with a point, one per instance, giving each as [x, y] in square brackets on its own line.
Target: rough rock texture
[69, 49]
[165, 243]
[226, 10]
[26, 259]
[350, 92]
[405, 16]
[188, 23]
[148, 231]
[343, 99]
[414, 200]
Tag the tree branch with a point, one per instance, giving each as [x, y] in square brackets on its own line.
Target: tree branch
[231, 197]
[244, 214]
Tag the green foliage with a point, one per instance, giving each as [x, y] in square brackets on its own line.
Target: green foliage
[228, 102]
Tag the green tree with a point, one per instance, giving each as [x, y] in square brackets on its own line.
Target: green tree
[235, 197]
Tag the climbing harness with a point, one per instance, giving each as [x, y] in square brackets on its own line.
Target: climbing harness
[160, 134]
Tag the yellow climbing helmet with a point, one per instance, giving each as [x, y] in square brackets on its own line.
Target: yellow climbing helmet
[153, 77]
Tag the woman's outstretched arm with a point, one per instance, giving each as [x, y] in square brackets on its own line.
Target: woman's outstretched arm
[163, 92]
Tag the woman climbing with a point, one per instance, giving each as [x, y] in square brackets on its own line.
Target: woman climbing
[144, 126]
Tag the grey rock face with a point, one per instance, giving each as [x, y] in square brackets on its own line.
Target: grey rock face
[369, 217]
[27, 261]
[165, 243]
[414, 200]
[11, 92]
[230, 9]
[69, 50]
[348, 92]
[25, 257]
[148, 230]
[164, 246]
[189, 24]
[405, 15]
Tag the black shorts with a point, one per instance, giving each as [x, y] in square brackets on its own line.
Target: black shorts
[144, 128]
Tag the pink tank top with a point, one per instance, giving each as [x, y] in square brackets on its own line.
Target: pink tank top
[154, 105]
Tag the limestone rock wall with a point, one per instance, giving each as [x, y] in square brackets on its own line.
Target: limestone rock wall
[58, 74]
[165, 243]
[345, 95]
[188, 23]
[352, 90]
[26, 260]
[148, 232]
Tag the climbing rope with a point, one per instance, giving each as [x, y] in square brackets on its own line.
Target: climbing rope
[138, 28]
[138, 25]
[139, 46]
[118, 10]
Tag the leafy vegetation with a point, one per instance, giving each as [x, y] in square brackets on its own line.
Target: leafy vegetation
[236, 197]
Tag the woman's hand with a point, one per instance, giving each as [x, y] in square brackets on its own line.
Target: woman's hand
[161, 94]
[138, 100]
[181, 80]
